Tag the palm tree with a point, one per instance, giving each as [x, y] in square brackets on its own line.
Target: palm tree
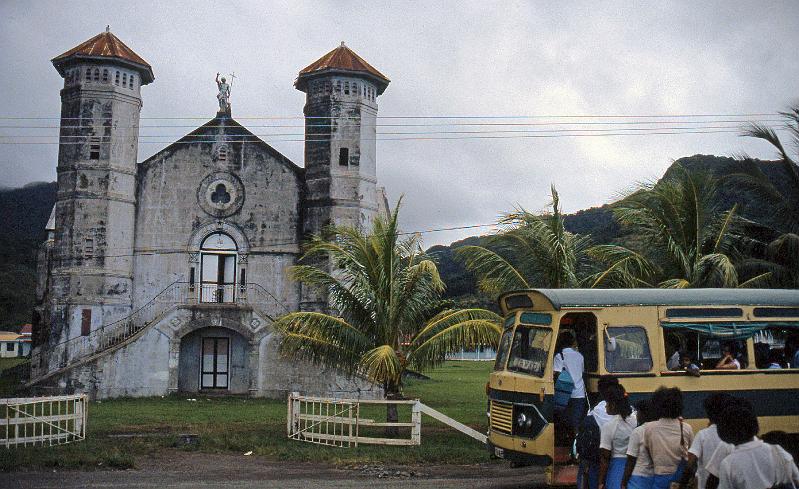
[531, 251]
[384, 293]
[679, 238]
[780, 203]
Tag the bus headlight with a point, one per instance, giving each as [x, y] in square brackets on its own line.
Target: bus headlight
[522, 420]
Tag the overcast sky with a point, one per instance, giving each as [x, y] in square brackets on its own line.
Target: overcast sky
[454, 58]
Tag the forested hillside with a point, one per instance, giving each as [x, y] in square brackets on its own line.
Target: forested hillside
[24, 213]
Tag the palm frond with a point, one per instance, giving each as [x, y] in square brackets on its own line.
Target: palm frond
[486, 263]
[382, 365]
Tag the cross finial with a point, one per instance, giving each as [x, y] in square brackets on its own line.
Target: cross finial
[107, 28]
[343, 45]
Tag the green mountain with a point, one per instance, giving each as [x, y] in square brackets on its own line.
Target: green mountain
[24, 212]
[601, 225]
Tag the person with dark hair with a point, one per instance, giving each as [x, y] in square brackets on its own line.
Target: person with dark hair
[638, 470]
[667, 439]
[707, 451]
[753, 464]
[774, 359]
[615, 436]
[728, 360]
[571, 360]
[589, 436]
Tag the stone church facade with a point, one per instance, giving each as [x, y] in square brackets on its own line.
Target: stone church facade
[165, 275]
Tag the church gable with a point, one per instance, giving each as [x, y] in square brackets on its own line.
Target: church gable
[220, 171]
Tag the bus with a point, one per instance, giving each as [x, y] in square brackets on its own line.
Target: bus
[635, 334]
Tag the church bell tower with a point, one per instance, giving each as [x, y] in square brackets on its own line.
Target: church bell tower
[96, 201]
[340, 130]
[340, 144]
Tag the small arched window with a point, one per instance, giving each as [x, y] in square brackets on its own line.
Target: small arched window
[346, 88]
[97, 74]
[130, 84]
[88, 74]
[105, 75]
[219, 242]
[116, 78]
[338, 86]
[124, 79]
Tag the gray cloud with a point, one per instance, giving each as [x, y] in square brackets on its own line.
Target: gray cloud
[444, 58]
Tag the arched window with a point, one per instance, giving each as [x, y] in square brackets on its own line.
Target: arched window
[132, 77]
[105, 75]
[218, 272]
[116, 78]
[97, 74]
[124, 79]
[88, 74]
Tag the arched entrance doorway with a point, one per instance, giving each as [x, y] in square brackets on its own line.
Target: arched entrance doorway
[218, 255]
[213, 359]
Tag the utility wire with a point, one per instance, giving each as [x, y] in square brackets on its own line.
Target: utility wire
[425, 124]
[536, 116]
[659, 132]
[180, 248]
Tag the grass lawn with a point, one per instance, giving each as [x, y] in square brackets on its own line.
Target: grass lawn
[120, 430]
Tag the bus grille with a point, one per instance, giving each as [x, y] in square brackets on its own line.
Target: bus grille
[502, 417]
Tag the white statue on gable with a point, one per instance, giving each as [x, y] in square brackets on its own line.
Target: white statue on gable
[224, 94]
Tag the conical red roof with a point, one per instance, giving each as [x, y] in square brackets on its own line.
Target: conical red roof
[106, 45]
[342, 59]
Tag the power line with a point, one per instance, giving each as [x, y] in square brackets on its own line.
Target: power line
[175, 248]
[236, 137]
[659, 132]
[536, 116]
[426, 124]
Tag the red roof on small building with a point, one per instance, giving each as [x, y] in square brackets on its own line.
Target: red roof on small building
[27, 329]
[106, 45]
[342, 59]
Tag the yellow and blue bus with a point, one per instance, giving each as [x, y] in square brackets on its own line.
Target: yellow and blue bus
[635, 334]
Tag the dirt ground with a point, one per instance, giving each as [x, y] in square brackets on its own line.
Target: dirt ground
[179, 470]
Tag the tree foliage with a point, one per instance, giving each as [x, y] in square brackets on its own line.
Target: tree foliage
[530, 251]
[384, 292]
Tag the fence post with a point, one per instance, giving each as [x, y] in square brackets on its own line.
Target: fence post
[416, 419]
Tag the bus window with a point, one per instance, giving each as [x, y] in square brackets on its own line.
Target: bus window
[502, 351]
[776, 347]
[530, 350]
[627, 350]
[703, 349]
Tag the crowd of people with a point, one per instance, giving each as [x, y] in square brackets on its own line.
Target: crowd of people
[648, 446]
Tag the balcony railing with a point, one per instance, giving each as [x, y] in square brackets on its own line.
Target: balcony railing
[74, 350]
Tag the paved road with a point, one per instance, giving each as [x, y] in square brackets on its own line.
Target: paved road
[206, 471]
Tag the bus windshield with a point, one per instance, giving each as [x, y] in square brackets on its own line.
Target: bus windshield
[530, 350]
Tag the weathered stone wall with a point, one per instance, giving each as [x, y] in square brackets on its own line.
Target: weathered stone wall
[165, 359]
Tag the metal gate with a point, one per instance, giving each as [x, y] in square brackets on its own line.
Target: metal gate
[42, 420]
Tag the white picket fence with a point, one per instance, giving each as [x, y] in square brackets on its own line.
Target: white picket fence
[339, 422]
[42, 421]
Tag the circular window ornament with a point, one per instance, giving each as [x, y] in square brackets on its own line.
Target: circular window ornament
[221, 194]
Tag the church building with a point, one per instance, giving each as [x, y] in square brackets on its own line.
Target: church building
[165, 275]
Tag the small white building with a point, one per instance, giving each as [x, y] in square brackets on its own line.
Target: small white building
[13, 345]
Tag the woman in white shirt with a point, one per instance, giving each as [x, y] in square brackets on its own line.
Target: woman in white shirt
[753, 464]
[639, 473]
[615, 436]
[707, 450]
